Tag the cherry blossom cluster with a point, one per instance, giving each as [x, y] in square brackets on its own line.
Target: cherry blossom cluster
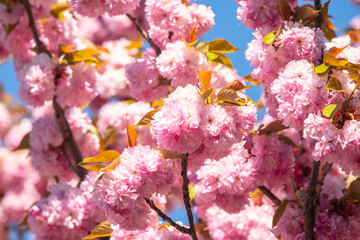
[128, 115]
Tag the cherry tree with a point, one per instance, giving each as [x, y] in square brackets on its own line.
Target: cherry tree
[127, 114]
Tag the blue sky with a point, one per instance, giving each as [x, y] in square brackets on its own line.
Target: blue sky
[227, 27]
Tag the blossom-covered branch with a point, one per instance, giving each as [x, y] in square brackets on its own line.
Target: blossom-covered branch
[63, 124]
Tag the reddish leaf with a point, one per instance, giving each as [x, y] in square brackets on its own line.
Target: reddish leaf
[131, 135]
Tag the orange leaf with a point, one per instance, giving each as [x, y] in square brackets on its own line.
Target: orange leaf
[131, 135]
[193, 32]
[204, 78]
[336, 51]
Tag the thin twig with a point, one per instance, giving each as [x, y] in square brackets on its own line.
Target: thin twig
[39, 45]
[67, 158]
[64, 126]
[310, 202]
[186, 196]
[324, 171]
[270, 195]
[144, 34]
[68, 137]
[166, 218]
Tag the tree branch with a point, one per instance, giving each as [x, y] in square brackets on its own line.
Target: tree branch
[39, 45]
[324, 171]
[270, 195]
[186, 196]
[68, 137]
[166, 218]
[144, 34]
[310, 202]
[64, 126]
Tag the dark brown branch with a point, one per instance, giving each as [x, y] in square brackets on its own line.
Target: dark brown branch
[40, 47]
[144, 34]
[186, 196]
[310, 202]
[68, 137]
[318, 22]
[66, 156]
[166, 218]
[64, 126]
[270, 195]
[324, 171]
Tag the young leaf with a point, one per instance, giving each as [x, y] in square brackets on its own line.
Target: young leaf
[192, 192]
[193, 32]
[204, 78]
[9, 28]
[107, 156]
[273, 127]
[25, 143]
[94, 167]
[284, 9]
[204, 95]
[237, 85]
[322, 69]
[131, 135]
[223, 59]
[112, 165]
[211, 56]
[335, 85]
[330, 110]
[203, 47]
[336, 51]
[301, 195]
[304, 13]
[252, 80]
[228, 95]
[222, 46]
[270, 37]
[146, 120]
[103, 229]
[287, 140]
[279, 212]
[166, 154]
[331, 60]
[354, 36]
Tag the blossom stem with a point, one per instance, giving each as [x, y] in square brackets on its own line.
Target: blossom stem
[68, 138]
[270, 195]
[166, 218]
[324, 171]
[310, 202]
[144, 34]
[186, 196]
[39, 44]
[63, 124]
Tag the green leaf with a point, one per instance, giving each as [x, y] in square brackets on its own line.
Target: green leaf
[103, 229]
[322, 68]
[147, 118]
[335, 85]
[211, 56]
[222, 46]
[223, 59]
[25, 143]
[84, 55]
[279, 212]
[192, 192]
[58, 8]
[270, 37]
[330, 110]
[107, 156]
